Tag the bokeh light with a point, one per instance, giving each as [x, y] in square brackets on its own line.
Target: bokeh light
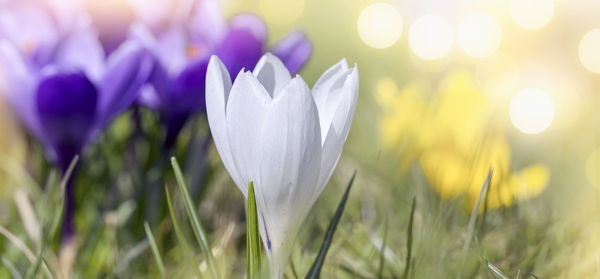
[478, 35]
[379, 25]
[430, 37]
[531, 111]
[589, 51]
[531, 14]
[281, 12]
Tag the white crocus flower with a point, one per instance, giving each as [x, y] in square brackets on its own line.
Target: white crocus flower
[272, 129]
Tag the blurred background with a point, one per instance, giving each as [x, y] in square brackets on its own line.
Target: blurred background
[448, 90]
[461, 86]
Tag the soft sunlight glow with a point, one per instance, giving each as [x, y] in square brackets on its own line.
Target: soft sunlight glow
[531, 111]
[379, 25]
[589, 51]
[592, 168]
[498, 76]
[478, 35]
[281, 12]
[531, 14]
[430, 37]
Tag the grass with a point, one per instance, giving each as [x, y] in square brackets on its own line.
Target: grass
[200, 231]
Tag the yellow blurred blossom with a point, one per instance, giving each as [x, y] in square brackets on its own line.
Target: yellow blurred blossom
[454, 138]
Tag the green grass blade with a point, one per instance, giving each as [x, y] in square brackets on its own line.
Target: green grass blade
[294, 272]
[20, 245]
[185, 245]
[475, 212]
[496, 272]
[51, 228]
[11, 268]
[315, 269]
[382, 251]
[252, 236]
[56, 221]
[131, 255]
[481, 231]
[194, 219]
[178, 232]
[69, 172]
[409, 238]
[155, 251]
[35, 266]
[47, 269]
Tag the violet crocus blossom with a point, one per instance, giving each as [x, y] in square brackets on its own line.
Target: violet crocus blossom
[183, 49]
[65, 90]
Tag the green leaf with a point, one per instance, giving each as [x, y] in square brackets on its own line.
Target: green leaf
[252, 236]
[315, 269]
[155, 251]
[194, 219]
[409, 238]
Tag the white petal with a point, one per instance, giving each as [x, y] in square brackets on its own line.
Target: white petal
[245, 111]
[218, 85]
[272, 74]
[327, 93]
[339, 129]
[289, 168]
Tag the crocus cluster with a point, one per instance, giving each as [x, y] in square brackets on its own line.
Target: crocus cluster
[271, 129]
[183, 46]
[67, 78]
[62, 85]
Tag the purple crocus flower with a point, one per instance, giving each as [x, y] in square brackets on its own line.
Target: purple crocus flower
[183, 48]
[63, 87]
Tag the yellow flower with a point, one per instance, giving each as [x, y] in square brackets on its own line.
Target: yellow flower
[455, 140]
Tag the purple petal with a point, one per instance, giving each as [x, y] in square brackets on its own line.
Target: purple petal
[30, 28]
[251, 23]
[207, 25]
[129, 68]
[185, 97]
[66, 104]
[243, 45]
[187, 91]
[293, 50]
[171, 49]
[81, 49]
[149, 98]
[161, 82]
[18, 86]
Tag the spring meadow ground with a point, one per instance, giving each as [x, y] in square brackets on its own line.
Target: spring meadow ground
[383, 139]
